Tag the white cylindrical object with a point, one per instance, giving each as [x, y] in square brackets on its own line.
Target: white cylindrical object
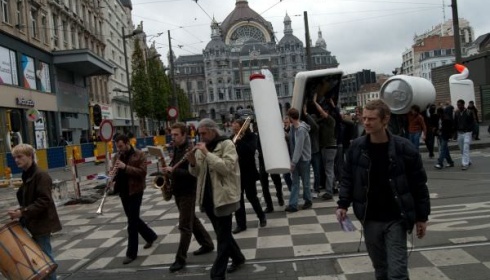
[269, 122]
[401, 92]
[460, 87]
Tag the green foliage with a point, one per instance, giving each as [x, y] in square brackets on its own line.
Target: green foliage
[160, 89]
[184, 104]
[140, 86]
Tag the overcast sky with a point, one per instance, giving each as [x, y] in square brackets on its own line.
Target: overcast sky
[362, 34]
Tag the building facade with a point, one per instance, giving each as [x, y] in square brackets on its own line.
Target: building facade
[51, 54]
[217, 82]
[437, 40]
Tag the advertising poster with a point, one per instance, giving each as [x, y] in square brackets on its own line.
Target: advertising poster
[28, 72]
[8, 72]
[43, 76]
[41, 142]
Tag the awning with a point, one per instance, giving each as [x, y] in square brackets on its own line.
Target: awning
[83, 62]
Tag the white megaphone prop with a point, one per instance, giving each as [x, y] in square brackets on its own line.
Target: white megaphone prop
[401, 92]
[269, 122]
[460, 87]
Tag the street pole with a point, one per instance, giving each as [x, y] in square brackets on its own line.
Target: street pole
[128, 83]
[457, 39]
[172, 72]
[308, 45]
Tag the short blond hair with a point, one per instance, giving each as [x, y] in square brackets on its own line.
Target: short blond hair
[24, 149]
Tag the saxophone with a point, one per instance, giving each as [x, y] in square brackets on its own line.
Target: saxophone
[163, 182]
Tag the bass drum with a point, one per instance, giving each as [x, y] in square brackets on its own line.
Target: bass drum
[22, 258]
[8, 140]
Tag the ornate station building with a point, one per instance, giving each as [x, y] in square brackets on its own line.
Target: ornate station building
[217, 82]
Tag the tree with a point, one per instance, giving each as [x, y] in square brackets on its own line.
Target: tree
[184, 104]
[160, 89]
[140, 86]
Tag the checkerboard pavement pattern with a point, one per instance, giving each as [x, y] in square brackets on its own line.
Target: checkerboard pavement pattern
[92, 242]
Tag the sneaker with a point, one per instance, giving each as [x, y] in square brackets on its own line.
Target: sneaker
[450, 165]
[314, 194]
[291, 209]
[307, 205]
[464, 167]
[438, 166]
[327, 196]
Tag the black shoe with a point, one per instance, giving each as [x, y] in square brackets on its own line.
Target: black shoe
[291, 209]
[176, 266]
[307, 205]
[268, 210]
[477, 138]
[327, 196]
[281, 201]
[238, 230]
[263, 222]
[203, 250]
[128, 260]
[450, 165]
[335, 190]
[234, 266]
[149, 244]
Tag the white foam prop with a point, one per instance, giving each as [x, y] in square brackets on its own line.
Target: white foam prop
[460, 87]
[269, 122]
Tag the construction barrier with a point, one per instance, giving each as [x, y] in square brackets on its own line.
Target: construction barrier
[59, 157]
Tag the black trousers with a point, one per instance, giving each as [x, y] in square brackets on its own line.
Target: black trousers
[131, 205]
[227, 246]
[250, 190]
[264, 182]
[189, 224]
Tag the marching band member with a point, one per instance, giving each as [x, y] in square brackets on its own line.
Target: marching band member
[37, 211]
[130, 184]
[215, 164]
[246, 145]
[184, 191]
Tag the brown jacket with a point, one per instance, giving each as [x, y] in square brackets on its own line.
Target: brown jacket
[136, 171]
[36, 202]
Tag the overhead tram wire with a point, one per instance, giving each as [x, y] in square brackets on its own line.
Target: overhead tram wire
[203, 10]
[271, 7]
[393, 2]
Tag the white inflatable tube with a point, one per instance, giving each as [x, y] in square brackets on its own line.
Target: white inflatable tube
[269, 122]
[9, 143]
[460, 87]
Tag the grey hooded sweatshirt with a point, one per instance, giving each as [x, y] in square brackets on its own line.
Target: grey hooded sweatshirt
[300, 143]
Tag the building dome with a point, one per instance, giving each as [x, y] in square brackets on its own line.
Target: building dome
[243, 13]
[127, 3]
[320, 42]
[215, 43]
[289, 39]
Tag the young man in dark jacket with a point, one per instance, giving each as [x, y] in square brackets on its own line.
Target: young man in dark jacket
[37, 211]
[184, 191]
[390, 197]
[130, 182]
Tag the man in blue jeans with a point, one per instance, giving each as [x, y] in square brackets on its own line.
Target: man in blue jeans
[385, 181]
[300, 144]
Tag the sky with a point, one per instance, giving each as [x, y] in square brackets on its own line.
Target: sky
[362, 34]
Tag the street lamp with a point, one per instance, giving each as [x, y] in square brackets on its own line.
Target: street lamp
[124, 37]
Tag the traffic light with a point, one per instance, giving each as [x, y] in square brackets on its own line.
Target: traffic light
[15, 121]
[97, 112]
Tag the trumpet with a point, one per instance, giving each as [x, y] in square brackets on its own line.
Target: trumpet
[164, 184]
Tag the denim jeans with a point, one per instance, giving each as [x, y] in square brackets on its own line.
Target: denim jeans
[386, 243]
[328, 157]
[301, 170]
[44, 242]
[464, 142]
[316, 163]
[444, 152]
[414, 137]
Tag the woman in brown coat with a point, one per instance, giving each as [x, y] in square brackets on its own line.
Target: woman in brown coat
[37, 211]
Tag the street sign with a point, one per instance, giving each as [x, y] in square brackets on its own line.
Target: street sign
[106, 130]
[172, 113]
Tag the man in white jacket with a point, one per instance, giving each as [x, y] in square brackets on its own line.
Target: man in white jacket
[215, 164]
